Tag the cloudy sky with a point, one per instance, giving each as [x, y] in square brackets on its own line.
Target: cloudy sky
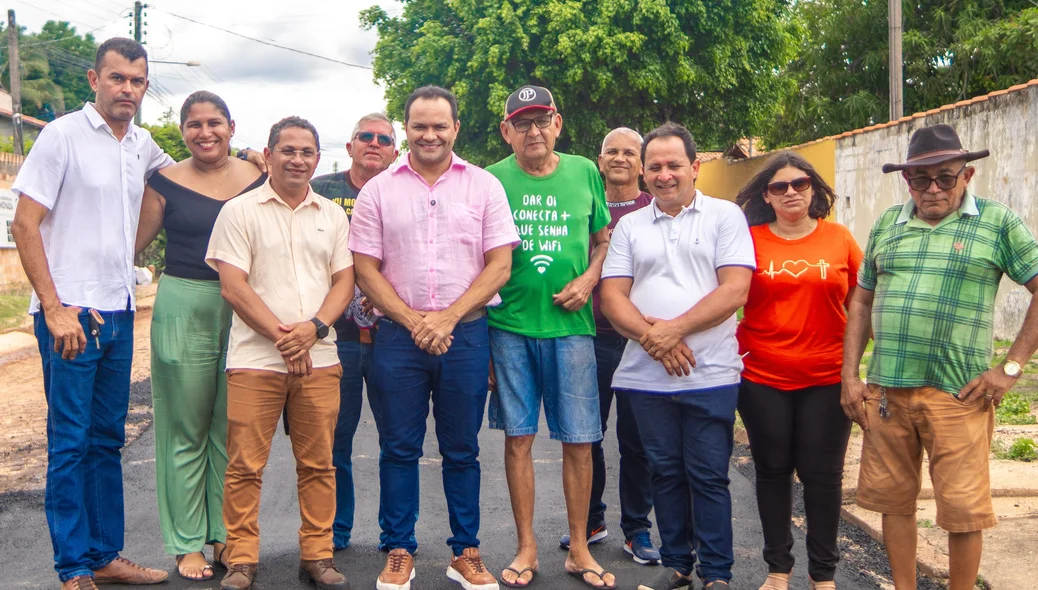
[260, 83]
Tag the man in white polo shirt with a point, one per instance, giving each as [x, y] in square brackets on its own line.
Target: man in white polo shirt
[675, 274]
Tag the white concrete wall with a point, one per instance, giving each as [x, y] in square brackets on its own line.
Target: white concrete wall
[1006, 124]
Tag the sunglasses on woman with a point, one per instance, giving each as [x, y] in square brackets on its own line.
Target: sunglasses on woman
[368, 137]
[800, 185]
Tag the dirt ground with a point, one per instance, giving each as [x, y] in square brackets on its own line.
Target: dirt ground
[23, 419]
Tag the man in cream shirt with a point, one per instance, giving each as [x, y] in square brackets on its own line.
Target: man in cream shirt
[281, 251]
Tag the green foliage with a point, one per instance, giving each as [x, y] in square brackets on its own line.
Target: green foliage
[167, 135]
[155, 254]
[925, 523]
[712, 66]
[1022, 449]
[952, 51]
[7, 145]
[1014, 409]
[53, 66]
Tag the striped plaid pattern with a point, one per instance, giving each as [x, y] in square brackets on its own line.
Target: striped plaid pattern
[932, 316]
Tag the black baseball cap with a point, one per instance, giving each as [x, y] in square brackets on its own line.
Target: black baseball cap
[527, 98]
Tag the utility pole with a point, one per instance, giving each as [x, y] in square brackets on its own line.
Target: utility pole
[897, 104]
[138, 29]
[14, 65]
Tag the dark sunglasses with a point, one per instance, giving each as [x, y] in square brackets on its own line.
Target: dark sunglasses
[799, 185]
[368, 137]
[944, 181]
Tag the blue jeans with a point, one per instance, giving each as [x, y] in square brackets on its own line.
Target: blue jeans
[355, 358]
[87, 401]
[635, 475]
[688, 439]
[405, 375]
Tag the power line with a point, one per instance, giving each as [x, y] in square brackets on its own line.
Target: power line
[61, 17]
[345, 63]
[72, 36]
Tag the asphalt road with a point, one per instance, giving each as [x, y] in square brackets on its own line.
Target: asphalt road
[26, 555]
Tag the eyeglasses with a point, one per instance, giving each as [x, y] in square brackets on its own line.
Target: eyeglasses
[523, 125]
[368, 137]
[800, 185]
[944, 181]
[306, 153]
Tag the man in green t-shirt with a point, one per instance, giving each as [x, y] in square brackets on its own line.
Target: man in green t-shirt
[542, 334]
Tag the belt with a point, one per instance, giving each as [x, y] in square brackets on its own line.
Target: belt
[476, 314]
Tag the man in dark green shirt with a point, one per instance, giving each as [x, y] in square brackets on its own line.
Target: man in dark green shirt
[372, 148]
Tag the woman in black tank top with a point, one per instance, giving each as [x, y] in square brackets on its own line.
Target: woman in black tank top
[189, 330]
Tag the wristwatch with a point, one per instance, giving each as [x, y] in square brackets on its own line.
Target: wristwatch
[243, 154]
[322, 330]
[1011, 368]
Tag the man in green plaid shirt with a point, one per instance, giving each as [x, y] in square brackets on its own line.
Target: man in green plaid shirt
[927, 294]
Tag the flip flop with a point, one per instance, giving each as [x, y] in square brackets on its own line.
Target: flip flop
[601, 576]
[207, 570]
[519, 574]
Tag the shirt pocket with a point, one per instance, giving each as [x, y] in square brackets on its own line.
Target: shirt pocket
[465, 224]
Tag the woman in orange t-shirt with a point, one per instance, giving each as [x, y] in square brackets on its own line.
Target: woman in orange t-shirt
[792, 332]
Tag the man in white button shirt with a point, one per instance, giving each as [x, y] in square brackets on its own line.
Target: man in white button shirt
[675, 274]
[75, 227]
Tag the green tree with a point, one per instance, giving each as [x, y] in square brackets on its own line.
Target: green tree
[709, 65]
[39, 92]
[70, 56]
[952, 51]
[167, 135]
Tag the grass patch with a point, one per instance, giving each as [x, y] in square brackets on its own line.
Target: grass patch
[1015, 409]
[13, 309]
[926, 523]
[1022, 449]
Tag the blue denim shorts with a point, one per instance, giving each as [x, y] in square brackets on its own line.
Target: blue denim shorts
[561, 371]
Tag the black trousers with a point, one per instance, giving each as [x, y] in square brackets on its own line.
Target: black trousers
[803, 430]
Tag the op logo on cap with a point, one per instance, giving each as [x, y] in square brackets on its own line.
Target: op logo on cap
[527, 94]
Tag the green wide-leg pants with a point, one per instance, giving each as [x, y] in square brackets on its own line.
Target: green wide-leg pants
[189, 331]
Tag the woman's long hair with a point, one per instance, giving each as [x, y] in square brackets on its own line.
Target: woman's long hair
[751, 197]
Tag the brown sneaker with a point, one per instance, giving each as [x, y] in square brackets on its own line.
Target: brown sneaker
[240, 576]
[79, 583]
[124, 571]
[398, 573]
[468, 570]
[323, 574]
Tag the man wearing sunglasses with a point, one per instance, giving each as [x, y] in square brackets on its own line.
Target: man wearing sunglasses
[928, 282]
[542, 334]
[372, 148]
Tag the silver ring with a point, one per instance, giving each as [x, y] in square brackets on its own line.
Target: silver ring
[989, 395]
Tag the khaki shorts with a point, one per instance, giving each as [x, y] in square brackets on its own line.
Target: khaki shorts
[957, 439]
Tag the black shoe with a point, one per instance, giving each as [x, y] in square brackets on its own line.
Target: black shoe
[669, 579]
[594, 535]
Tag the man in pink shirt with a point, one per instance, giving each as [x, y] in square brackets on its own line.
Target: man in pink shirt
[432, 238]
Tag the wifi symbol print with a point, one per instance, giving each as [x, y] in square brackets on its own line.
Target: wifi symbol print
[542, 262]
